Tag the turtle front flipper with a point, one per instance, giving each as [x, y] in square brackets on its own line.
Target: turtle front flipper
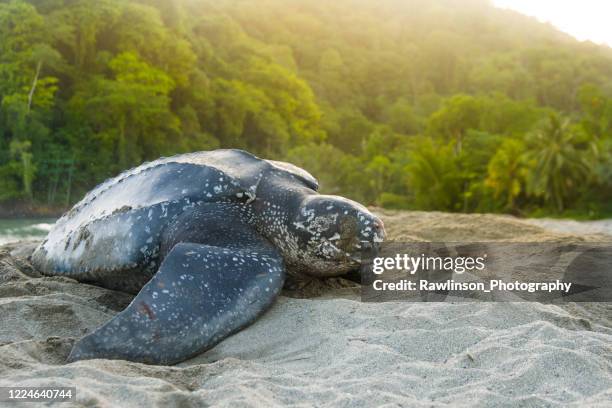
[200, 295]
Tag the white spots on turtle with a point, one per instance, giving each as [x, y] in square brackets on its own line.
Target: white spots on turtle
[164, 208]
[308, 213]
[184, 191]
[251, 194]
[154, 295]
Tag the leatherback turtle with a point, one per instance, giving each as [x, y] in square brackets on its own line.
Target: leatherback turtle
[206, 240]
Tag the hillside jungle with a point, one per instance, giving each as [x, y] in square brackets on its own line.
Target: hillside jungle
[415, 104]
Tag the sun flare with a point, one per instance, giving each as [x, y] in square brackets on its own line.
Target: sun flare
[585, 19]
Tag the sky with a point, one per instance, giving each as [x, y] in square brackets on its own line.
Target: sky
[583, 19]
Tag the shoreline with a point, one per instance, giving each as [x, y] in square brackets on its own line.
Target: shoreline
[24, 210]
[33, 211]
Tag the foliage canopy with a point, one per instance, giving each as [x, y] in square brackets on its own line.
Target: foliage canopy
[436, 105]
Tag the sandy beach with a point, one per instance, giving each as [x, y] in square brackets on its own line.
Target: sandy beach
[323, 347]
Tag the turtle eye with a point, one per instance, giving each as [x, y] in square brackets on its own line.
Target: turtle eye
[348, 227]
[349, 232]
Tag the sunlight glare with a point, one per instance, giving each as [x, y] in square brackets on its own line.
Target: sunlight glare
[584, 19]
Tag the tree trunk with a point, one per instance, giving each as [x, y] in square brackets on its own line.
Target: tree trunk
[28, 173]
[122, 143]
[34, 83]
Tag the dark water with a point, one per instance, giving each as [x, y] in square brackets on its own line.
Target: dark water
[12, 230]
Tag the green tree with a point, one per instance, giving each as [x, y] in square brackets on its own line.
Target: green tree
[435, 177]
[20, 150]
[507, 173]
[458, 114]
[597, 109]
[27, 93]
[335, 170]
[402, 118]
[131, 111]
[560, 162]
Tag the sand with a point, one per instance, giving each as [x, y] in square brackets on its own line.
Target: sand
[328, 350]
[574, 227]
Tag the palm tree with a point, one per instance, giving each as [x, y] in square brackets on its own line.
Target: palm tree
[434, 176]
[506, 172]
[560, 162]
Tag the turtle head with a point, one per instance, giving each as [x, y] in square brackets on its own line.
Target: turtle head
[331, 233]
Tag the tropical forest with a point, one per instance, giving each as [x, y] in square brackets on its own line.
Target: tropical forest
[442, 105]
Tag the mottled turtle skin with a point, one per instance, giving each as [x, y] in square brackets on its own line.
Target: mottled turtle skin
[206, 239]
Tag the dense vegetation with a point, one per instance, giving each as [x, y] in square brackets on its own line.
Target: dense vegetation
[427, 104]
